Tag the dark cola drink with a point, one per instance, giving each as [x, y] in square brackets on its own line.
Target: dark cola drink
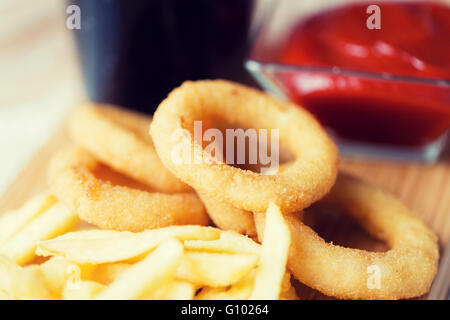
[133, 53]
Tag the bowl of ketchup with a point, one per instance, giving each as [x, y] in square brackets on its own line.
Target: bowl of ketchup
[376, 75]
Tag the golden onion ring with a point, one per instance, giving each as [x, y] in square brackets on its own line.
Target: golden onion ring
[120, 139]
[307, 179]
[406, 270]
[117, 207]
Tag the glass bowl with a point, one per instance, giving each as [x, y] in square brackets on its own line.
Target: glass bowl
[367, 113]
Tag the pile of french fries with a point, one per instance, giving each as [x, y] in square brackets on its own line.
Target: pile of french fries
[46, 252]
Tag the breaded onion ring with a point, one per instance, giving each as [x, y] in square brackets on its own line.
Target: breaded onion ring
[120, 139]
[405, 271]
[116, 207]
[227, 217]
[306, 180]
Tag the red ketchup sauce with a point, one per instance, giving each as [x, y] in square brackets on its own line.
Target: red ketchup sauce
[414, 42]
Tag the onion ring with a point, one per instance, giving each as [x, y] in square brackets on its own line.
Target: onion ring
[120, 139]
[406, 270]
[305, 181]
[227, 217]
[116, 207]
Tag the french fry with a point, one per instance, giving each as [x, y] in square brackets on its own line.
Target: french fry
[108, 272]
[104, 264]
[285, 282]
[290, 294]
[102, 246]
[239, 291]
[229, 242]
[5, 296]
[273, 258]
[8, 273]
[147, 275]
[51, 223]
[287, 291]
[58, 271]
[22, 283]
[31, 284]
[81, 290]
[215, 269]
[13, 221]
[174, 290]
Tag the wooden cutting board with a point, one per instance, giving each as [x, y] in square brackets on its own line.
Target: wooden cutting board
[424, 188]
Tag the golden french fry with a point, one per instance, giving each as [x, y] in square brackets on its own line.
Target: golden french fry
[147, 275]
[290, 294]
[9, 271]
[215, 269]
[51, 223]
[174, 290]
[239, 291]
[5, 296]
[59, 271]
[286, 282]
[102, 246]
[108, 272]
[273, 258]
[229, 242]
[22, 283]
[32, 285]
[213, 294]
[81, 290]
[14, 221]
[287, 290]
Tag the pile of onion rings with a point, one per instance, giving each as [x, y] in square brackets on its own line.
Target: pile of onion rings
[154, 191]
[233, 195]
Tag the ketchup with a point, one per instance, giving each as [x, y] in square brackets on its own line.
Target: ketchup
[413, 45]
